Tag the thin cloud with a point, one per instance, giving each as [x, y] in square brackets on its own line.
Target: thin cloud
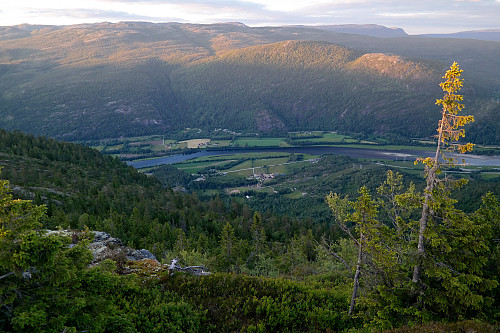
[100, 15]
[413, 16]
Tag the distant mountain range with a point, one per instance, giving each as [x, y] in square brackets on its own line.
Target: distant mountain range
[106, 80]
[490, 34]
[373, 30]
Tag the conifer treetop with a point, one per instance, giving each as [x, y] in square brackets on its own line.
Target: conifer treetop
[450, 126]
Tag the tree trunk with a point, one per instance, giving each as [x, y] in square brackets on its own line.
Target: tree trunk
[431, 180]
[356, 280]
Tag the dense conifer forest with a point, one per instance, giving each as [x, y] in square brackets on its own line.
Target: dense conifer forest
[271, 272]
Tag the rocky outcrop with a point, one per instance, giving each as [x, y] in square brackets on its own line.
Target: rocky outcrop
[103, 246]
[106, 247]
[266, 122]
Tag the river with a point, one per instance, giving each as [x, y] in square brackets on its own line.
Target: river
[376, 154]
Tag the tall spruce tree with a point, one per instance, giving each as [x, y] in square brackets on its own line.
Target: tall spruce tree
[228, 248]
[449, 132]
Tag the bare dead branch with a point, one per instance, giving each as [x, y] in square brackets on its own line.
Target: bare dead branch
[6, 275]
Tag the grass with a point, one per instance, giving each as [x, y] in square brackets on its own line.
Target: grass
[260, 142]
[260, 162]
[193, 167]
[210, 158]
[194, 143]
[329, 138]
[219, 143]
[490, 175]
[409, 164]
[294, 195]
[242, 173]
[309, 156]
[260, 155]
[115, 147]
[383, 147]
[246, 189]
[270, 161]
[243, 165]
[280, 169]
[241, 156]
[208, 192]
[298, 135]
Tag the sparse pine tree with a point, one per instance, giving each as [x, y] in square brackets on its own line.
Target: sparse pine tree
[449, 132]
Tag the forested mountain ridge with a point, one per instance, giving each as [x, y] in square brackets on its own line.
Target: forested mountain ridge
[296, 85]
[109, 80]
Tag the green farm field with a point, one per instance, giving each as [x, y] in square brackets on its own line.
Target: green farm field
[260, 142]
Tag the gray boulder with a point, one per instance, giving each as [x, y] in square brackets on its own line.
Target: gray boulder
[103, 246]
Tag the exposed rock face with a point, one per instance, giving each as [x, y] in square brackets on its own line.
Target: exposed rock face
[140, 254]
[106, 247]
[266, 122]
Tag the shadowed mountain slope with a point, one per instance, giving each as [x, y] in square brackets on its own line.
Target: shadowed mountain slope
[306, 85]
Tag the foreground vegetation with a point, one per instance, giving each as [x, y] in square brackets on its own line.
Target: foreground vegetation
[61, 293]
[291, 282]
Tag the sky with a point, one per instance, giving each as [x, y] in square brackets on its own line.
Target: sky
[415, 17]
